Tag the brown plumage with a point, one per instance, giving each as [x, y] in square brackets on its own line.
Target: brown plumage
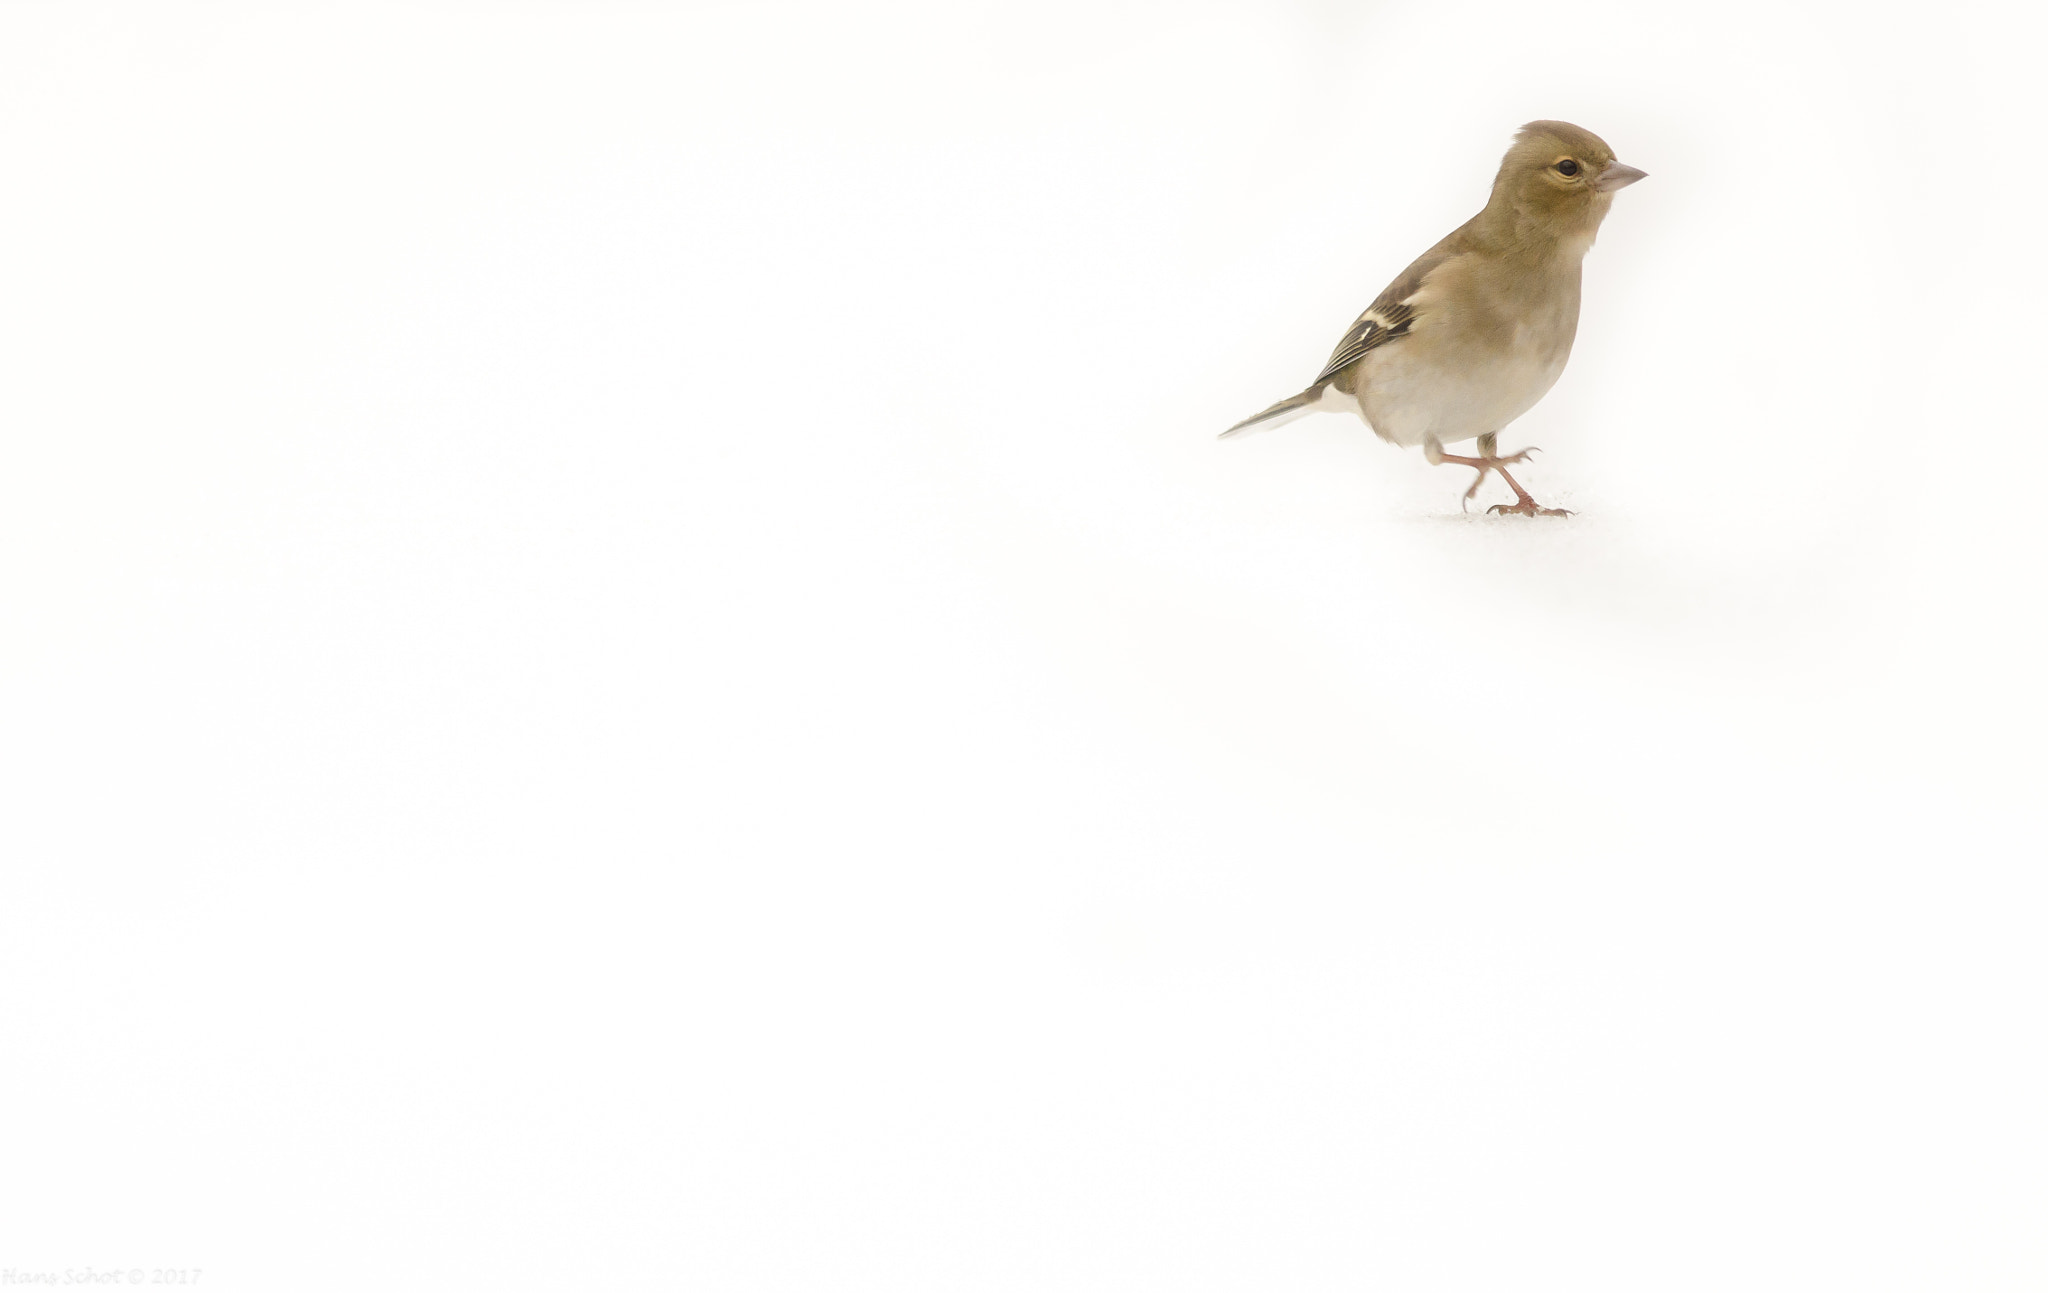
[1479, 327]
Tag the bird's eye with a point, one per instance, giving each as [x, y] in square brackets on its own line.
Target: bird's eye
[1567, 168]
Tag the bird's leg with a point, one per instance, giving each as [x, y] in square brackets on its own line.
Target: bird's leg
[1523, 505]
[1489, 459]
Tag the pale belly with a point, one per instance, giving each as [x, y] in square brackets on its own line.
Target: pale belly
[1411, 397]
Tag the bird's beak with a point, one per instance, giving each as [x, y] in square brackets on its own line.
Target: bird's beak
[1617, 176]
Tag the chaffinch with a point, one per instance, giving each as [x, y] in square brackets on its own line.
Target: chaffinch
[1478, 329]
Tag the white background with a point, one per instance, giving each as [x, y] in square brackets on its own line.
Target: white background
[627, 659]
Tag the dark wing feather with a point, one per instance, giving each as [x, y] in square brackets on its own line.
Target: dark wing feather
[1375, 328]
[1388, 317]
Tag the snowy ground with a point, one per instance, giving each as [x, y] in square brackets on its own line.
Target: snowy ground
[628, 656]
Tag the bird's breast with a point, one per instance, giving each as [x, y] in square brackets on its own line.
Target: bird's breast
[1466, 378]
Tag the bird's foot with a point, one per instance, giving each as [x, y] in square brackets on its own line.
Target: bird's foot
[1526, 506]
[1488, 461]
[1485, 463]
[1482, 464]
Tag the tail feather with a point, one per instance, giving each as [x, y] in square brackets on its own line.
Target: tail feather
[1294, 406]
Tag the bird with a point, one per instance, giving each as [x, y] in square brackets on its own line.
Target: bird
[1478, 329]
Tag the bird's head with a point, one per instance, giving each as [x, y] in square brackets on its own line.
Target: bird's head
[1556, 182]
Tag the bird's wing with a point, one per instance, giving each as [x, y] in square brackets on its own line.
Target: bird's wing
[1375, 328]
[1391, 316]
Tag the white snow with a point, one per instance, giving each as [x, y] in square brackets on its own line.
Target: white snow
[628, 656]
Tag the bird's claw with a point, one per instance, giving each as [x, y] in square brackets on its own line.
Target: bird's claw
[1486, 462]
[1481, 466]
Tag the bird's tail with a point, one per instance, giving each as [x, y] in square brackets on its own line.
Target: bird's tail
[1294, 406]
